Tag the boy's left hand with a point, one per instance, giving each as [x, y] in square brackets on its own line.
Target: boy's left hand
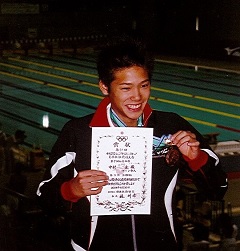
[187, 143]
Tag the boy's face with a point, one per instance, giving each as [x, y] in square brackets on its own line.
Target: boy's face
[129, 93]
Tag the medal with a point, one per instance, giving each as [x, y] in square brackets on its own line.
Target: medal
[173, 154]
[168, 151]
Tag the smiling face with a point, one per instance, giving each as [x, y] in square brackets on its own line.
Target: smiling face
[129, 93]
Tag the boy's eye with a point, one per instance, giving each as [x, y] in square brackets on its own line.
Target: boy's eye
[145, 85]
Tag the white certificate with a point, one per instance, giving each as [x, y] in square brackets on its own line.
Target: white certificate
[125, 154]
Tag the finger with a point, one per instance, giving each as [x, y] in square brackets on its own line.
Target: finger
[194, 143]
[183, 137]
[183, 140]
[100, 183]
[93, 179]
[92, 191]
[89, 177]
[179, 136]
[175, 135]
[91, 182]
[86, 173]
[96, 190]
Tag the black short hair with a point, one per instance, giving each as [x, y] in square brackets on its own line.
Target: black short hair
[123, 52]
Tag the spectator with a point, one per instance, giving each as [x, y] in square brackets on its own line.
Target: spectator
[15, 152]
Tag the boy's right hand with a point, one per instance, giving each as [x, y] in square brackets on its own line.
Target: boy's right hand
[88, 182]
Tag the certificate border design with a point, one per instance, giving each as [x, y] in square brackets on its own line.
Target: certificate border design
[124, 206]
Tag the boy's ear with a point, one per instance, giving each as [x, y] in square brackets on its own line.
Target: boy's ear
[103, 88]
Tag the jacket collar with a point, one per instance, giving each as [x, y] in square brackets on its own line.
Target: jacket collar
[100, 116]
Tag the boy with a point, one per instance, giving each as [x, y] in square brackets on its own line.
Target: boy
[125, 71]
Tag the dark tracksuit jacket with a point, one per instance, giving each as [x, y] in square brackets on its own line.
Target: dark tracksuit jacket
[72, 153]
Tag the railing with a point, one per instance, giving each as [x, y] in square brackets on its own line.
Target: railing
[47, 45]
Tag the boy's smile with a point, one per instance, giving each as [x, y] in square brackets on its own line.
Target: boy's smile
[129, 93]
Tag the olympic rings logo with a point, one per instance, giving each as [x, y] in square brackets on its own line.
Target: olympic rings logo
[122, 138]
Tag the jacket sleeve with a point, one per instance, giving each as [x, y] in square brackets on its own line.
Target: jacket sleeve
[210, 179]
[60, 168]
